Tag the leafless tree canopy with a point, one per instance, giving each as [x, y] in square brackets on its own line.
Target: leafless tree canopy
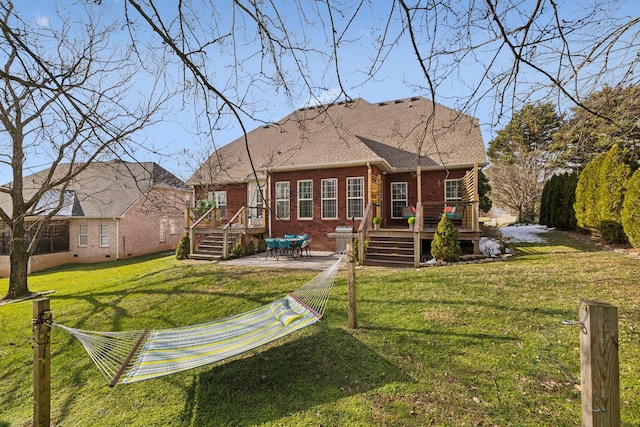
[66, 100]
[474, 54]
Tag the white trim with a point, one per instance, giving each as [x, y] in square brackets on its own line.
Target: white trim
[453, 199]
[361, 179]
[406, 199]
[322, 198]
[287, 198]
[310, 199]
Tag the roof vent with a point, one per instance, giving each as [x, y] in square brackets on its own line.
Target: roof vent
[397, 101]
[414, 98]
[380, 104]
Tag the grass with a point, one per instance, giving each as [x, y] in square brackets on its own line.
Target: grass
[474, 345]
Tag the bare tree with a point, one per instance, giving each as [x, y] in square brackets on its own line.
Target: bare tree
[499, 55]
[235, 56]
[518, 185]
[65, 100]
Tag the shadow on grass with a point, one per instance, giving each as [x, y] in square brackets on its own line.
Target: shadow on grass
[290, 378]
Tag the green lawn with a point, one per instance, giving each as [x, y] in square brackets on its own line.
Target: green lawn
[474, 345]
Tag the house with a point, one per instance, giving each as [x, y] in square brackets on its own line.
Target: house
[111, 210]
[327, 167]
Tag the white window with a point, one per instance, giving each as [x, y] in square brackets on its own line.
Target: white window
[259, 200]
[283, 201]
[220, 197]
[452, 189]
[330, 198]
[83, 235]
[163, 230]
[173, 227]
[398, 198]
[104, 235]
[305, 199]
[355, 197]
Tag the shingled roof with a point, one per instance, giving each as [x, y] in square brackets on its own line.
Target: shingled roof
[353, 133]
[103, 190]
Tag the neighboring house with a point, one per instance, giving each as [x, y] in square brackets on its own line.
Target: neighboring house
[110, 211]
[332, 166]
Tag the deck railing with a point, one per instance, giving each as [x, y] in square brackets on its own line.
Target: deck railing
[245, 218]
[463, 214]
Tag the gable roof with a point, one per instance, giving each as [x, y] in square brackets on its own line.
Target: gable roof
[51, 200]
[103, 190]
[349, 134]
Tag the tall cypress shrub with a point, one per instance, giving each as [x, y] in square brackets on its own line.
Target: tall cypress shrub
[585, 206]
[546, 201]
[558, 198]
[631, 210]
[614, 174]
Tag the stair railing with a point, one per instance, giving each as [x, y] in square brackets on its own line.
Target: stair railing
[363, 231]
[225, 229]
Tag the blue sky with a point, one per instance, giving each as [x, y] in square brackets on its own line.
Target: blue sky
[398, 77]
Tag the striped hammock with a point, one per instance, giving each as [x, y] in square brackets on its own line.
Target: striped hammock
[131, 356]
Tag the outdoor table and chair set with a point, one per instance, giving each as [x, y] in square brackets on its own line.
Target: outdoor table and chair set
[290, 247]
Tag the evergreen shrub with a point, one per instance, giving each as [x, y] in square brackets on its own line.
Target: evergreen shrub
[631, 210]
[182, 251]
[445, 245]
[614, 174]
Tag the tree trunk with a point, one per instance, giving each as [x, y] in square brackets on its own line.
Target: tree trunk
[19, 261]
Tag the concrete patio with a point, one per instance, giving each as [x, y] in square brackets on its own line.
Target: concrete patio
[317, 261]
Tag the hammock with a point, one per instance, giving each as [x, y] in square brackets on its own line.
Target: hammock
[131, 356]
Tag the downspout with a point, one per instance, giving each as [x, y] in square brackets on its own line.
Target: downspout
[268, 195]
[117, 220]
[417, 241]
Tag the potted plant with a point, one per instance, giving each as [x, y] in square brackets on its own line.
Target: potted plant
[376, 222]
[411, 221]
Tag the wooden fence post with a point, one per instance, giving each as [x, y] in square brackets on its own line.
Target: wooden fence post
[599, 365]
[41, 363]
[351, 269]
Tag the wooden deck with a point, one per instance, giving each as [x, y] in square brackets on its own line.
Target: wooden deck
[403, 248]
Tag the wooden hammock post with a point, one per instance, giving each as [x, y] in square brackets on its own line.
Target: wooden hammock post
[41, 363]
[351, 269]
[599, 365]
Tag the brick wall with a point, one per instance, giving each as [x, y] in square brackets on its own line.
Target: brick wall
[136, 233]
[317, 227]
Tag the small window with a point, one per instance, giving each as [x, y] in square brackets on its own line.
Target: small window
[104, 235]
[173, 227]
[305, 199]
[283, 200]
[163, 231]
[83, 235]
[398, 198]
[355, 197]
[452, 189]
[330, 198]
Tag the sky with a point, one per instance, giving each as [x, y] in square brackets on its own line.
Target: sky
[175, 141]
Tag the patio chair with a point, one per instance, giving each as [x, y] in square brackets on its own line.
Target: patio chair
[306, 247]
[284, 247]
[408, 211]
[272, 248]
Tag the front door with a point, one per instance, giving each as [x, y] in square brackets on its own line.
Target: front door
[255, 204]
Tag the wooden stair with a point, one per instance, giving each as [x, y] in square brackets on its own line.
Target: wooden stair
[211, 247]
[390, 250]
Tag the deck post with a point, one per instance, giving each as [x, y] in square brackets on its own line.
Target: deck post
[599, 365]
[41, 363]
[351, 271]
